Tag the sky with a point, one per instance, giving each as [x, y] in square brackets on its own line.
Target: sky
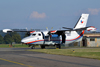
[39, 14]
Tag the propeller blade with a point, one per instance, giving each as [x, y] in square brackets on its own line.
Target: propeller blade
[26, 29]
[47, 28]
[51, 28]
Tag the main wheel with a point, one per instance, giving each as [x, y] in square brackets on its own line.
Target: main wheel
[42, 46]
[58, 46]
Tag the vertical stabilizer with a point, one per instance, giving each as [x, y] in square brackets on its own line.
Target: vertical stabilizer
[82, 21]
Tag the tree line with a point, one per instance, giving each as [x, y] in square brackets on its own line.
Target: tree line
[10, 37]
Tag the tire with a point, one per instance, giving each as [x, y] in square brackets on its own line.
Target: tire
[58, 46]
[32, 47]
[42, 46]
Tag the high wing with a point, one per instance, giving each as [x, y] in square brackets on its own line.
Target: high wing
[67, 28]
[19, 30]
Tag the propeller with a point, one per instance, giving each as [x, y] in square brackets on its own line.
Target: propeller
[26, 29]
[49, 32]
[28, 32]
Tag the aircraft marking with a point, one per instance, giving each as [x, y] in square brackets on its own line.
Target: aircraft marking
[81, 21]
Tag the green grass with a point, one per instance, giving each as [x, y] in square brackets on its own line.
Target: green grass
[14, 45]
[84, 52]
[87, 52]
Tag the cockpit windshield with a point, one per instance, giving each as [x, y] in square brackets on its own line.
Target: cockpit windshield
[36, 34]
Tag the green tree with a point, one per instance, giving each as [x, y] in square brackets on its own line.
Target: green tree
[16, 37]
[12, 37]
[8, 39]
[1, 40]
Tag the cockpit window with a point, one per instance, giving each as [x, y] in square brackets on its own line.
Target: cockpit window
[33, 34]
[39, 34]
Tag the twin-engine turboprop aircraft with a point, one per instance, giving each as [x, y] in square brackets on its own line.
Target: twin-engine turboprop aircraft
[57, 37]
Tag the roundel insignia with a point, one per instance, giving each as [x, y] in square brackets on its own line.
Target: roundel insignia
[81, 21]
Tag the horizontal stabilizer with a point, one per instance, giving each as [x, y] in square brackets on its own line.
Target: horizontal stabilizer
[92, 29]
[78, 29]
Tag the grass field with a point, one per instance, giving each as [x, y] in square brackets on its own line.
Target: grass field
[80, 52]
[14, 45]
[84, 52]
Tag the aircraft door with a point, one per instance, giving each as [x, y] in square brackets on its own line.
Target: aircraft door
[63, 38]
[43, 35]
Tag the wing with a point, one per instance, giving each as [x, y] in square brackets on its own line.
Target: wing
[19, 30]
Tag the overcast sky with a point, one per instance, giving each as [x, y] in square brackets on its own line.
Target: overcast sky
[39, 14]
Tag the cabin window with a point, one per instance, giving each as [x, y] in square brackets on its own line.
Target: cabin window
[92, 39]
[39, 34]
[33, 34]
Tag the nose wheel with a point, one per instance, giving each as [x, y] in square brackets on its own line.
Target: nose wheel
[32, 47]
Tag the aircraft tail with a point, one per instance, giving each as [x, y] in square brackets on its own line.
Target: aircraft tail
[82, 21]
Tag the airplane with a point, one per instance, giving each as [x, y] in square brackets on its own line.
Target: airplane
[57, 37]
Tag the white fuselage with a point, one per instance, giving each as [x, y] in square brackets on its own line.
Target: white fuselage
[43, 38]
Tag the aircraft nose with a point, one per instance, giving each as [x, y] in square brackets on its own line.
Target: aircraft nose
[22, 41]
[26, 40]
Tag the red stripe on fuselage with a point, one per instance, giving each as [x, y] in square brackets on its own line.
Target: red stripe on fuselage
[77, 37]
[33, 41]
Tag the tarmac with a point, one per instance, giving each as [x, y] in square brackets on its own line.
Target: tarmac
[19, 57]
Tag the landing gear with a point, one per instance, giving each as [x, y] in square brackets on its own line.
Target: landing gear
[58, 46]
[42, 46]
[32, 47]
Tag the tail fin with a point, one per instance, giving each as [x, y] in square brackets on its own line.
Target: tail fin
[82, 21]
